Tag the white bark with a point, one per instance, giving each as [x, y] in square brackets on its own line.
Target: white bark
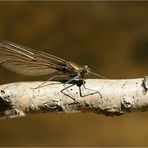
[108, 97]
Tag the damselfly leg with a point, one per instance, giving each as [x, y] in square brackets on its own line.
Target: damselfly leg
[82, 90]
[51, 78]
[66, 88]
[81, 84]
[90, 91]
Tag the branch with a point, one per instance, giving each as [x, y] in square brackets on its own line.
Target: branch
[102, 96]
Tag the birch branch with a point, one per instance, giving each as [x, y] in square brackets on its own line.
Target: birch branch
[102, 96]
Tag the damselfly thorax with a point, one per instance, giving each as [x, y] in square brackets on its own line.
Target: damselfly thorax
[74, 70]
[26, 61]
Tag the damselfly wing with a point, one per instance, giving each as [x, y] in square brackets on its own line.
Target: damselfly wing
[26, 61]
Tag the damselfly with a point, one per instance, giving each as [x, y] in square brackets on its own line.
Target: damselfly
[26, 61]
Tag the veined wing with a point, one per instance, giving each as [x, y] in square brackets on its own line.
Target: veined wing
[26, 61]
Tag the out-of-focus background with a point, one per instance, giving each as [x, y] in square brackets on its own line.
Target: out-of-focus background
[110, 37]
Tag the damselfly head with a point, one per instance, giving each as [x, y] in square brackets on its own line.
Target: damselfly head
[75, 71]
[84, 71]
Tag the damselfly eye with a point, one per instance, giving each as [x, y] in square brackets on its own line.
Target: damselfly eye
[86, 66]
[86, 69]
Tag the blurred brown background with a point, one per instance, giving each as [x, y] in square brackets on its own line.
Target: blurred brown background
[111, 37]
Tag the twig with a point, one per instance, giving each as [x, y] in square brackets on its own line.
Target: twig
[102, 96]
